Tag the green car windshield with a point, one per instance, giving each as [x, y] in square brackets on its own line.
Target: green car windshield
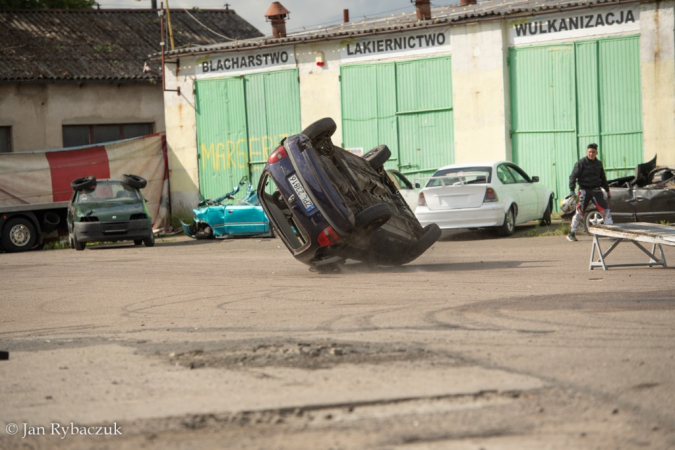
[108, 191]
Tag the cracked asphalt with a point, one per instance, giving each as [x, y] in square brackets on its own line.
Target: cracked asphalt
[481, 343]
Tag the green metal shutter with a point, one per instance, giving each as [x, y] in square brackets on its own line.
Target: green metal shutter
[221, 135]
[240, 120]
[273, 113]
[369, 106]
[406, 105]
[425, 115]
[564, 97]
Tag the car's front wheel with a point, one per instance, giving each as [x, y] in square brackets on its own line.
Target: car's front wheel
[374, 216]
[76, 244]
[546, 218]
[378, 156]
[509, 225]
[592, 219]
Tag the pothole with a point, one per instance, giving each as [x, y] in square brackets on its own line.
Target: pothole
[305, 355]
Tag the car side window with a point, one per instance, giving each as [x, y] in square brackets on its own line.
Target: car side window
[518, 175]
[504, 175]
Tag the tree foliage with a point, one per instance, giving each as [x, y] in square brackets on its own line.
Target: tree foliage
[47, 4]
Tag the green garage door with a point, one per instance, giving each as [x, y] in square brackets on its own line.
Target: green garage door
[565, 96]
[406, 105]
[240, 120]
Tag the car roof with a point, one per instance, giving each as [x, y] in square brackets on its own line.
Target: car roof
[475, 164]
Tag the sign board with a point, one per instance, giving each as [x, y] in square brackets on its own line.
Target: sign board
[422, 42]
[237, 63]
[575, 24]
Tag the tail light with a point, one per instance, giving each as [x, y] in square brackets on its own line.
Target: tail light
[277, 155]
[421, 201]
[490, 196]
[327, 237]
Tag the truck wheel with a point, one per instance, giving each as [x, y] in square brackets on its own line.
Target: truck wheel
[378, 156]
[150, 240]
[80, 184]
[134, 181]
[77, 245]
[18, 235]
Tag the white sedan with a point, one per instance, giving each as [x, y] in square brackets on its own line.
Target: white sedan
[495, 194]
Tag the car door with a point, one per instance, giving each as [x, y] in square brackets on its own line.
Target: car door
[654, 205]
[409, 192]
[510, 190]
[528, 206]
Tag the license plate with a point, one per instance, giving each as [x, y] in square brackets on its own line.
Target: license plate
[301, 193]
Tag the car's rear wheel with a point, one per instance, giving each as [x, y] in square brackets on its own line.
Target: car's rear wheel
[319, 133]
[378, 156]
[509, 225]
[80, 184]
[150, 240]
[134, 181]
[18, 235]
[374, 216]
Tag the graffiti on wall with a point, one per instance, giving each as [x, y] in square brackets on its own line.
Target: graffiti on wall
[236, 154]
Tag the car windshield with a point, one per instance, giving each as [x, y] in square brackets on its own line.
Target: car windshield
[108, 191]
[457, 176]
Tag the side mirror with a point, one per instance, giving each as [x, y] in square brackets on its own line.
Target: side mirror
[417, 186]
[535, 179]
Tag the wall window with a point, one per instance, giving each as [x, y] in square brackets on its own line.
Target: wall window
[76, 135]
[5, 139]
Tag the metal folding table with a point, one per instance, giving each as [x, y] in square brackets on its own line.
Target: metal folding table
[636, 233]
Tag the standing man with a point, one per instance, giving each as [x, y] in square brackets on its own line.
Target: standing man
[590, 174]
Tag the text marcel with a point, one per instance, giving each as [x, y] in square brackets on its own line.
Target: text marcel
[574, 23]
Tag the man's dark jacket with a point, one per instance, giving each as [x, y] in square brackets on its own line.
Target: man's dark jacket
[590, 174]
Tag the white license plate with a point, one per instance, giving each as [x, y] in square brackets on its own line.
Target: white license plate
[301, 193]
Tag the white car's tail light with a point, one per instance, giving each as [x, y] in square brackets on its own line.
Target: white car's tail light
[421, 201]
[490, 196]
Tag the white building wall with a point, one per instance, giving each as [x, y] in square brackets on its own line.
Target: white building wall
[657, 61]
[480, 91]
[37, 112]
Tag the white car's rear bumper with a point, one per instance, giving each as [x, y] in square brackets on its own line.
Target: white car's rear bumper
[490, 215]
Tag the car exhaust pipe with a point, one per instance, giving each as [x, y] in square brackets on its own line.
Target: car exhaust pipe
[50, 221]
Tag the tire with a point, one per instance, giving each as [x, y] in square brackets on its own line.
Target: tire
[378, 156]
[431, 234]
[150, 240]
[593, 218]
[509, 224]
[80, 184]
[374, 216]
[77, 245]
[546, 218]
[134, 181]
[18, 235]
[138, 241]
[321, 129]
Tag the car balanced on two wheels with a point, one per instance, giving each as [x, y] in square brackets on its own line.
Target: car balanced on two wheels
[109, 211]
[328, 205]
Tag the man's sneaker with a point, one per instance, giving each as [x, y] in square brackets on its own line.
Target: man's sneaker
[572, 237]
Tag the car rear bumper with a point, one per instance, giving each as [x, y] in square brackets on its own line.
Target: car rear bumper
[112, 231]
[485, 216]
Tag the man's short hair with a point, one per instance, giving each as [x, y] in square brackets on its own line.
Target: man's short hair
[593, 146]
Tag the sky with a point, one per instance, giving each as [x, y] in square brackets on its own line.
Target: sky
[304, 13]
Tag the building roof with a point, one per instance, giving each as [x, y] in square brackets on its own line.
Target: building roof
[103, 45]
[442, 16]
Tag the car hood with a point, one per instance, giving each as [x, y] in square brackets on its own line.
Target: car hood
[106, 211]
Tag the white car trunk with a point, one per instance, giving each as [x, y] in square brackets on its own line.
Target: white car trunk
[454, 197]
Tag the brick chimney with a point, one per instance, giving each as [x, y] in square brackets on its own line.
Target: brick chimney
[423, 9]
[277, 14]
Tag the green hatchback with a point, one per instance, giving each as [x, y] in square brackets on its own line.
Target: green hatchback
[109, 210]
